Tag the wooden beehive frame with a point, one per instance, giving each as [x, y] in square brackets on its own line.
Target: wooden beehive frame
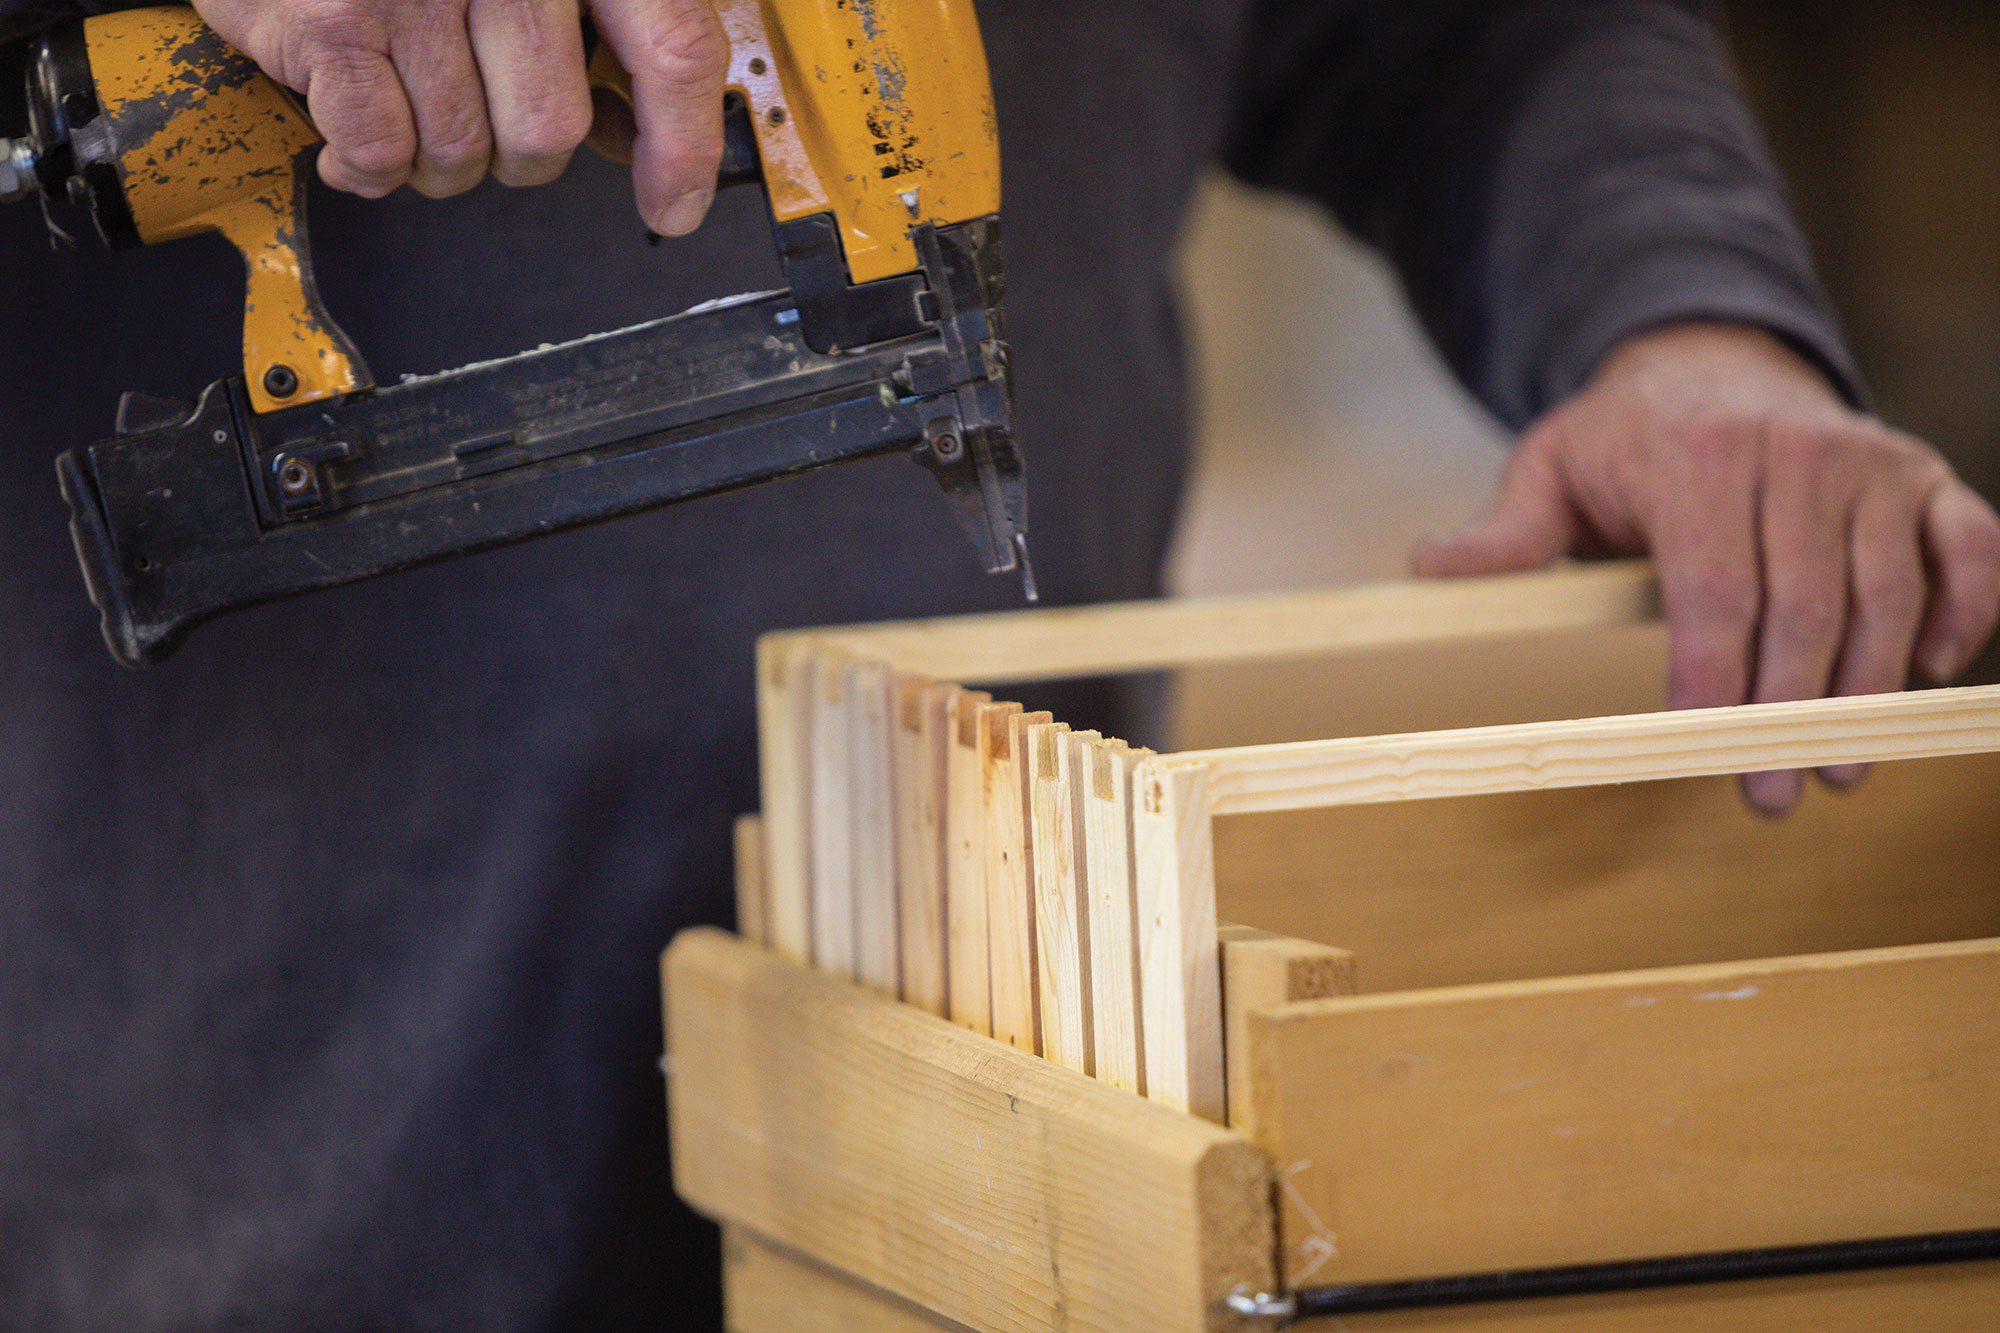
[994, 868]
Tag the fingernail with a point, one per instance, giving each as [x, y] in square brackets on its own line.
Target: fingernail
[1843, 776]
[685, 213]
[1773, 794]
[1941, 660]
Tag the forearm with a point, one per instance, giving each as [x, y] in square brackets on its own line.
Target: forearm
[1550, 177]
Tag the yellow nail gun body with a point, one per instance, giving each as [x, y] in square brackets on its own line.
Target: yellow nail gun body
[869, 124]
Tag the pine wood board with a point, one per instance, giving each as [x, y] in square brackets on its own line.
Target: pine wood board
[1062, 954]
[1594, 751]
[1010, 893]
[1678, 1110]
[784, 775]
[767, 1288]
[1180, 981]
[967, 981]
[832, 824]
[923, 720]
[1261, 970]
[1604, 879]
[980, 1182]
[871, 807]
[1058, 642]
[1117, 1040]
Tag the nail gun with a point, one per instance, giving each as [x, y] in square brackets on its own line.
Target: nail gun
[870, 129]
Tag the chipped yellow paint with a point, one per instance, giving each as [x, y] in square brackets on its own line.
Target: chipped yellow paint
[877, 111]
[205, 142]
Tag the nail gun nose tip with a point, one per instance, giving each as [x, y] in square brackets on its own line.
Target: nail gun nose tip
[1028, 587]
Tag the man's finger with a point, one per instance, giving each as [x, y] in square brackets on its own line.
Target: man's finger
[678, 56]
[1529, 524]
[1885, 599]
[1703, 534]
[356, 100]
[1803, 526]
[1963, 538]
[530, 55]
[433, 52]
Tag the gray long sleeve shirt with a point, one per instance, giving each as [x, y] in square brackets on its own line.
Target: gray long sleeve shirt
[326, 947]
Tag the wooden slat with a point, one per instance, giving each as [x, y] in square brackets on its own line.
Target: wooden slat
[832, 820]
[750, 889]
[1680, 1110]
[983, 1183]
[1117, 1041]
[1591, 751]
[1061, 949]
[871, 805]
[767, 1288]
[1143, 636]
[922, 721]
[1261, 970]
[1010, 891]
[1947, 1298]
[1180, 984]
[785, 775]
[968, 976]
[1605, 879]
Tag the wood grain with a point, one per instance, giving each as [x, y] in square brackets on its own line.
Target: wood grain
[1180, 983]
[968, 981]
[1594, 751]
[784, 743]
[1117, 1041]
[1010, 889]
[1061, 642]
[1261, 970]
[767, 1288]
[980, 1182]
[832, 819]
[923, 712]
[1604, 879]
[1672, 1111]
[1062, 955]
[872, 807]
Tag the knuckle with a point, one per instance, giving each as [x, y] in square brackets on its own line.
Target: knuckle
[1712, 440]
[458, 147]
[689, 48]
[337, 29]
[1718, 593]
[1807, 448]
[1806, 617]
[552, 129]
[376, 148]
[1893, 595]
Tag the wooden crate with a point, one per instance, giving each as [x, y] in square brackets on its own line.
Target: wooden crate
[1583, 1007]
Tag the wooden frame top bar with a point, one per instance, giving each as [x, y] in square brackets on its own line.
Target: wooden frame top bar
[1010, 647]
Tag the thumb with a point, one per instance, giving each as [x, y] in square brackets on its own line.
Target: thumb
[1528, 525]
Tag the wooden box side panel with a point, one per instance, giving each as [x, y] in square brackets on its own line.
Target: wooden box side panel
[1677, 1111]
[769, 1289]
[1602, 879]
[980, 1182]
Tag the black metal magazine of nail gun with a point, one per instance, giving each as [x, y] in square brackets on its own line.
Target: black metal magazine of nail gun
[301, 474]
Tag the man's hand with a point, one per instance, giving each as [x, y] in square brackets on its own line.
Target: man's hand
[436, 93]
[1804, 549]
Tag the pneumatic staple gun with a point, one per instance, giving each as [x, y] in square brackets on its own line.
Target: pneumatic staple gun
[870, 127]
